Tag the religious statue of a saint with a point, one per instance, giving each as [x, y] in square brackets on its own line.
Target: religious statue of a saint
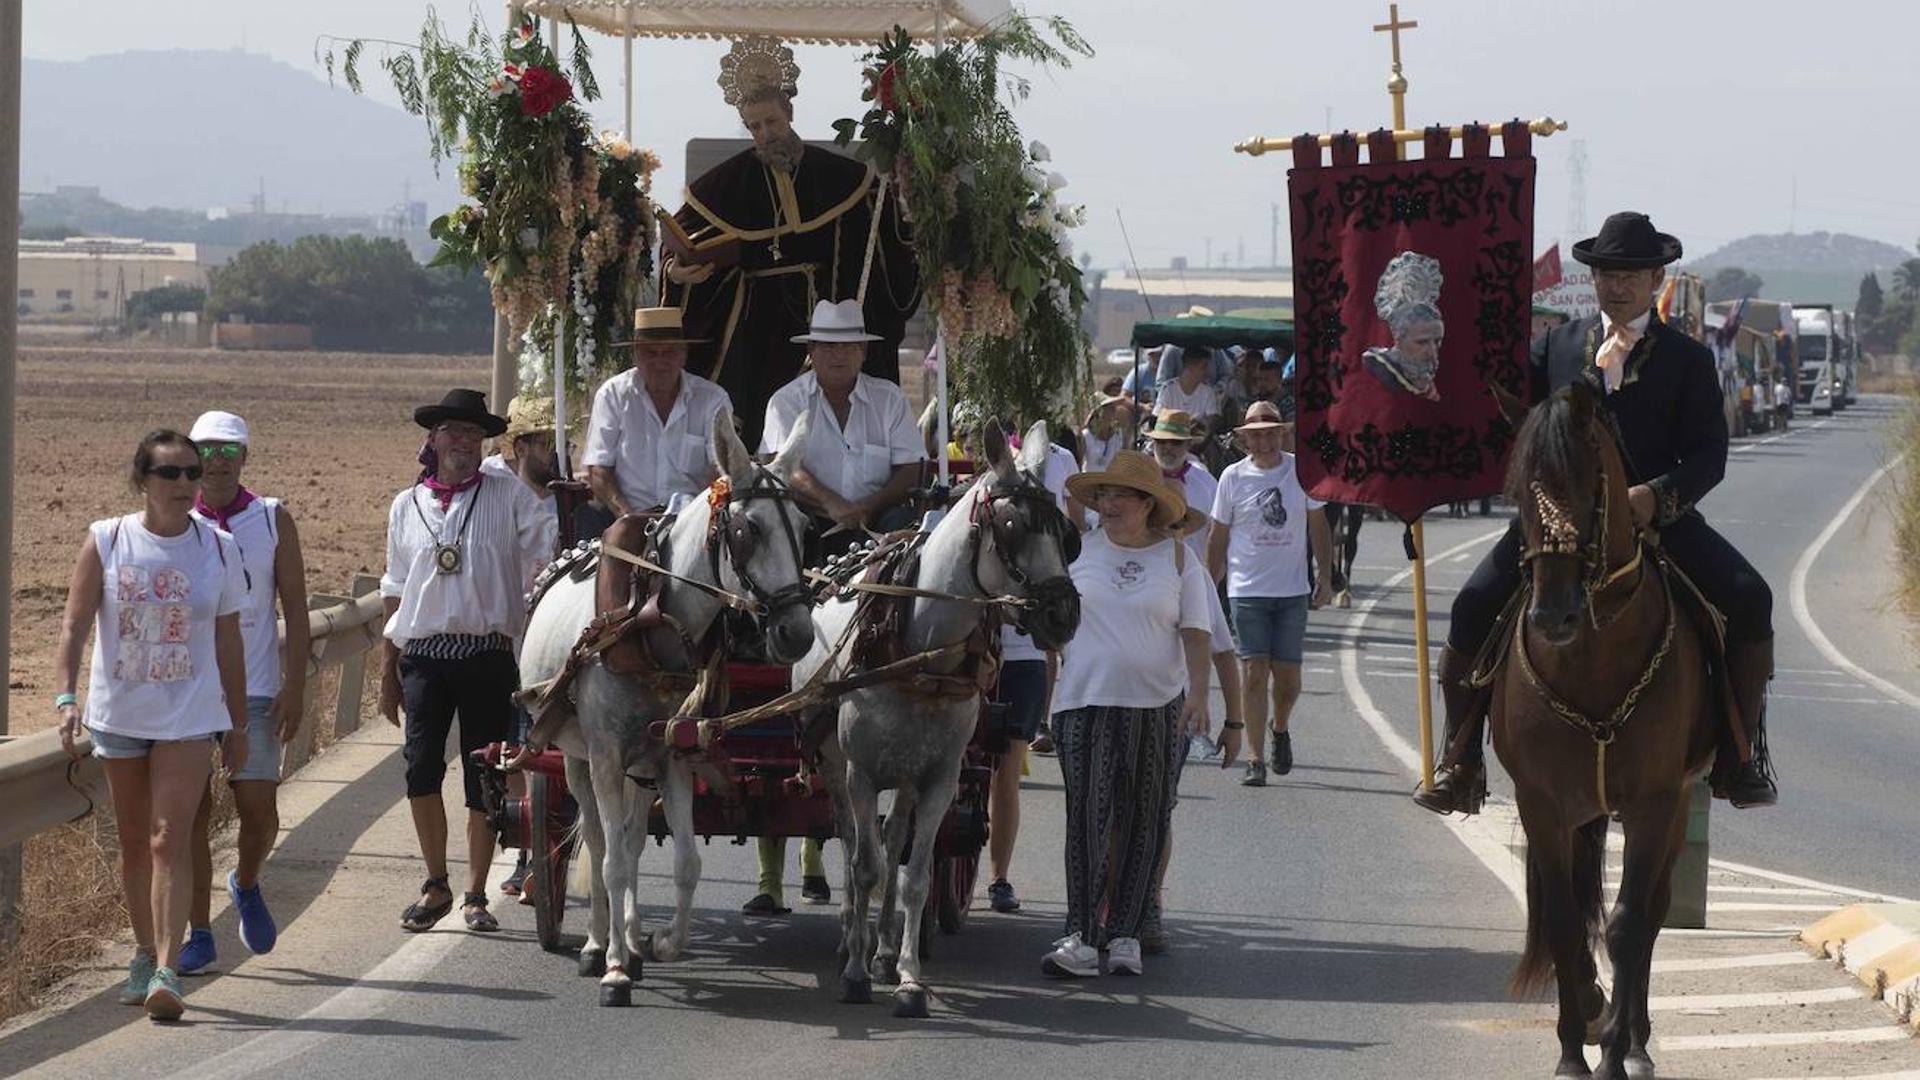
[1407, 299]
[772, 230]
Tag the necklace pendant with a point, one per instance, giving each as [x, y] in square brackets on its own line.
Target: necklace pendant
[447, 559]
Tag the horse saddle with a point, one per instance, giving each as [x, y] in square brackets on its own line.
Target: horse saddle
[881, 623]
[1694, 607]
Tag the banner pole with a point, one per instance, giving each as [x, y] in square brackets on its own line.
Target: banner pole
[1420, 654]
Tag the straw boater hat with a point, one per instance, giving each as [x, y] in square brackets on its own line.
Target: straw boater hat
[467, 405]
[1262, 416]
[526, 415]
[1174, 425]
[658, 326]
[1102, 402]
[843, 321]
[1133, 469]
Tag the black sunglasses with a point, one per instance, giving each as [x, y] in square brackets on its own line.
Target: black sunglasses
[175, 472]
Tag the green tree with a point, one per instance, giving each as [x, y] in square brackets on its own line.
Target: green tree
[1906, 280]
[1871, 300]
[356, 293]
[1732, 283]
[147, 306]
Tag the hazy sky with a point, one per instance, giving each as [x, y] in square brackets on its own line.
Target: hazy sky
[1708, 115]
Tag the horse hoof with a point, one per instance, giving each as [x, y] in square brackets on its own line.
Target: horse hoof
[616, 995]
[662, 948]
[593, 964]
[910, 1003]
[856, 991]
[1639, 1066]
[885, 970]
[1571, 1070]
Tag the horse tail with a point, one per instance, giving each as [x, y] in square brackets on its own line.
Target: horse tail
[1535, 972]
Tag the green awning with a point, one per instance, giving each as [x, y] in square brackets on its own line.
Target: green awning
[1216, 332]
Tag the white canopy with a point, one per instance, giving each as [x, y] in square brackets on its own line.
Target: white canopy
[832, 22]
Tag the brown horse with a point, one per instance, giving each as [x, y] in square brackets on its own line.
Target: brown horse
[1602, 709]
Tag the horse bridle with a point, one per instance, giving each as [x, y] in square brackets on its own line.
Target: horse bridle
[737, 534]
[1561, 539]
[998, 513]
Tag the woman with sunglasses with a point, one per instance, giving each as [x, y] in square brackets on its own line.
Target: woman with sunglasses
[163, 594]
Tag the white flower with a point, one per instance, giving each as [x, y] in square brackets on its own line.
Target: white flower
[500, 87]
[617, 148]
[1055, 181]
[1039, 152]
[1035, 179]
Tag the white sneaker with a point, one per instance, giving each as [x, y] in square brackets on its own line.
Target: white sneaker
[1071, 957]
[1123, 956]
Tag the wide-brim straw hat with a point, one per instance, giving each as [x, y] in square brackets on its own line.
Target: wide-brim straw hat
[526, 415]
[1133, 469]
[658, 326]
[467, 405]
[1175, 425]
[1262, 416]
[843, 322]
[1102, 402]
[1193, 522]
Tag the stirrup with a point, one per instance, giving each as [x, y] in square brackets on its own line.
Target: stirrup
[1454, 791]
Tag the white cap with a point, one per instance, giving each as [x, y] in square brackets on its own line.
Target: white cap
[217, 426]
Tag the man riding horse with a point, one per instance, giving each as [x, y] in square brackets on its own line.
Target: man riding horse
[1662, 393]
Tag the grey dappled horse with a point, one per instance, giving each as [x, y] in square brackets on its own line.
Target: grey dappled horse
[1004, 536]
[607, 742]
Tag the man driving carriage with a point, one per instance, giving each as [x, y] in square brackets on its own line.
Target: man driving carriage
[1663, 395]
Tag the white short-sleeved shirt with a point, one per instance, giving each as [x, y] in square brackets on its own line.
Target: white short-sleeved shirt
[256, 536]
[1198, 486]
[1203, 403]
[653, 460]
[1133, 604]
[155, 671]
[857, 460]
[1015, 645]
[1100, 451]
[510, 530]
[1267, 511]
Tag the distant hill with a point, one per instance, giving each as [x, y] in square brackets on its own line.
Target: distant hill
[199, 129]
[1816, 267]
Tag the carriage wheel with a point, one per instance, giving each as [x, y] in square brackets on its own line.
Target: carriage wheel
[952, 890]
[550, 856]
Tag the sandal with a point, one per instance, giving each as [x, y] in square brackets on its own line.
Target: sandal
[473, 908]
[421, 915]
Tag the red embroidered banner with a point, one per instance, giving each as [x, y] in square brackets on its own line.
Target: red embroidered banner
[1412, 283]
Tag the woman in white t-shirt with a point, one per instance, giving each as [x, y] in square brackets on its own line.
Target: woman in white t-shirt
[163, 594]
[1133, 683]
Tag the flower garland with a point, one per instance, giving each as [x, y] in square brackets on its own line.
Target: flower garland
[991, 229]
[561, 220]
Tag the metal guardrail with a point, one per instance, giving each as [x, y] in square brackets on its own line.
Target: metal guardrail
[41, 786]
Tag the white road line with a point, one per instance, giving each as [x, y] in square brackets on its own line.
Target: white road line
[1807, 671]
[1731, 963]
[1834, 700]
[1765, 999]
[1751, 906]
[1395, 659]
[1787, 434]
[1749, 890]
[1393, 674]
[1904, 1074]
[1805, 883]
[1763, 1040]
[1804, 616]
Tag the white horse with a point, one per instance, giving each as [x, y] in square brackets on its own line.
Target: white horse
[1004, 537]
[753, 552]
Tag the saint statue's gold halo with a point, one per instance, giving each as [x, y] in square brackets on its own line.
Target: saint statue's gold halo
[755, 65]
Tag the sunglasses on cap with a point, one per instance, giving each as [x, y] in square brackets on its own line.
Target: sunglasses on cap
[175, 472]
[230, 451]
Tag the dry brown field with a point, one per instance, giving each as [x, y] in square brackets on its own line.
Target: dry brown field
[333, 435]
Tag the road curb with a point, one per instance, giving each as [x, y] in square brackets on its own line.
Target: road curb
[1880, 945]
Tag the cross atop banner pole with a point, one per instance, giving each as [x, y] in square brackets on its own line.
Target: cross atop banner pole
[1410, 299]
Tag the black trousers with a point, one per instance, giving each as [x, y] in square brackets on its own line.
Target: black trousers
[480, 690]
[1724, 576]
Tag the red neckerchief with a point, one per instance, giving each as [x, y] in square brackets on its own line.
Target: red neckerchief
[445, 492]
[227, 513]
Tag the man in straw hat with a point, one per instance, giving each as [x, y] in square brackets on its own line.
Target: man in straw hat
[459, 542]
[1264, 523]
[774, 227]
[649, 438]
[863, 450]
[1662, 391]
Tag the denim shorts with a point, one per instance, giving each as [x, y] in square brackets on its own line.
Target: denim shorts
[1271, 627]
[111, 747]
[1023, 690]
[263, 744]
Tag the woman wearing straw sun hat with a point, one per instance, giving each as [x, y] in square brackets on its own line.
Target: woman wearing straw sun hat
[1133, 683]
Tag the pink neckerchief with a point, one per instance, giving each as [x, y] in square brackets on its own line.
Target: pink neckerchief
[444, 491]
[227, 513]
[1179, 474]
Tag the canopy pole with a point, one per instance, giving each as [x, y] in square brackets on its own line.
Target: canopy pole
[626, 76]
[940, 330]
[1262, 144]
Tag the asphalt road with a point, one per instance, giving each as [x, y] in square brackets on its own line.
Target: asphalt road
[1322, 927]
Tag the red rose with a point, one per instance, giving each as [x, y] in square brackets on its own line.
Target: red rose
[542, 89]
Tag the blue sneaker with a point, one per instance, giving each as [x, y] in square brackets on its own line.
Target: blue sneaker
[198, 952]
[257, 931]
[139, 974]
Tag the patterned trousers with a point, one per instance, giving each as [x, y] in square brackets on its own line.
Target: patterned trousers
[1121, 769]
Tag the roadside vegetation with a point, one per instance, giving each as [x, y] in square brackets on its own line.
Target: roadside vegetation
[1905, 499]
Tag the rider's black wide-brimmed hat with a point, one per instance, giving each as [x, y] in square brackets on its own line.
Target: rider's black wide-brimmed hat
[467, 405]
[1628, 241]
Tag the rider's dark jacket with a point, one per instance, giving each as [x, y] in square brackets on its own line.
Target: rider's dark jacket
[1668, 408]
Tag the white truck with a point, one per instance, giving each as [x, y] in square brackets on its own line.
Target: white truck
[1823, 369]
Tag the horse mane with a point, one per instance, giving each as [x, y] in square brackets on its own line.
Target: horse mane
[1549, 448]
